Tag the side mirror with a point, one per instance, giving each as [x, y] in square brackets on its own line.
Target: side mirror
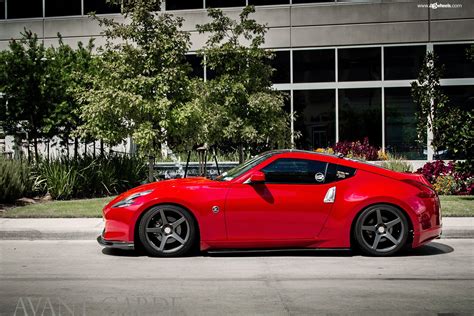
[256, 177]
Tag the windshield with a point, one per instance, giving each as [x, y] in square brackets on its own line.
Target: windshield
[242, 168]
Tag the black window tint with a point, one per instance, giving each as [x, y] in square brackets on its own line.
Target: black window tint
[2, 9]
[460, 96]
[403, 62]
[224, 3]
[62, 8]
[281, 64]
[359, 64]
[100, 7]
[360, 115]
[297, 171]
[456, 61]
[195, 62]
[314, 65]
[19, 9]
[400, 124]
[268, 2]
[338, 172]
[315, 112]
[184, 5]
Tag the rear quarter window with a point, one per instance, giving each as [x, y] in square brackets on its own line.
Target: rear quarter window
[338, 172]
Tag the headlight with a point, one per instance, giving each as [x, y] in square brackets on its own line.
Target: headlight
[130, 199]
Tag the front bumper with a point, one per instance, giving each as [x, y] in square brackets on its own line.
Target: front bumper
[115, 244]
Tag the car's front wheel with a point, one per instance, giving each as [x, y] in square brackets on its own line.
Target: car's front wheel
[381, 230]
[167, 231]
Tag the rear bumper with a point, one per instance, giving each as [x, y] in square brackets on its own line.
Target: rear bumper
[421, 238]
[429, 222]
[114, 244]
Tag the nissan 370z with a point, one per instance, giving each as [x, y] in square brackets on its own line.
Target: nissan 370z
[278, 200]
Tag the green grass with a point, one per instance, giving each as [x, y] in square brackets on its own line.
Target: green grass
[451, 206]
[457, 205]
[63, 209]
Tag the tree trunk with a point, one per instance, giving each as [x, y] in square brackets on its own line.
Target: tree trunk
[241, 153]
[76, 145]
[35, 143]
[17, 150]
[151, 165]
[93, 150]
[28, 150]
[101, 148]
[85, 148]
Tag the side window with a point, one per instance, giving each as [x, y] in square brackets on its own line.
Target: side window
[338, 172]
[297, 171]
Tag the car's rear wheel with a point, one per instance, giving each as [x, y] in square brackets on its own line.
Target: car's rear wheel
[381, 230]
[167, 231]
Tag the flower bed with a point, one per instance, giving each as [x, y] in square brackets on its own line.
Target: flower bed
[447, 179]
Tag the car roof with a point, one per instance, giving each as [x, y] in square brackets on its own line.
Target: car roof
[303, 152]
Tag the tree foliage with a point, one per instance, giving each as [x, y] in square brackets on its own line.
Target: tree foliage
[142, 76]
[430, 101]
[247, 111]
[27, 81]
[38, 84]
[72, 66]
[451, 124]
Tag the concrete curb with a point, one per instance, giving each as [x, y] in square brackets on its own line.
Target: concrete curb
[90, 228]
[38, 235]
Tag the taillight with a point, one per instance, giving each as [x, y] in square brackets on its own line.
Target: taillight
[425, 191]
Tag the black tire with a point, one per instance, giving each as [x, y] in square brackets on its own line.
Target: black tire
[381, 230]
[173, 235]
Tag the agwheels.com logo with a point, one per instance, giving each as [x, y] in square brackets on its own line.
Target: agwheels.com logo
[438, 5]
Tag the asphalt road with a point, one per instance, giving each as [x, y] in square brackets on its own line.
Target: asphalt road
[79, 277]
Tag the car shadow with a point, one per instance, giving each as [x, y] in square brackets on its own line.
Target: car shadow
[431, 249]
[122, 252]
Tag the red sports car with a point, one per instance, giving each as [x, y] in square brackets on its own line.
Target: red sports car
[279, 199]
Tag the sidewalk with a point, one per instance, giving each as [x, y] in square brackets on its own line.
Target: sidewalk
[50, 228]
[90, 228]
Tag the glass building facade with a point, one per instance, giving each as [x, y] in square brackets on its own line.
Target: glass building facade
[337, 92]
[347, 94]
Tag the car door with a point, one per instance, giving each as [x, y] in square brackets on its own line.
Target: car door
[289, 205]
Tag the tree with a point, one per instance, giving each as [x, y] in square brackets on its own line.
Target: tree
[141, 78]
[451, 124]
[430, 101]
[28, 83]
[248, 112]
[71, 67]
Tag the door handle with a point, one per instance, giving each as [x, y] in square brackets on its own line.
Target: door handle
[330, 195]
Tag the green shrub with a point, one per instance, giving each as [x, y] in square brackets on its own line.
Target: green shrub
[86, 177]
[61, 178]
[16, 180]
[397, 164]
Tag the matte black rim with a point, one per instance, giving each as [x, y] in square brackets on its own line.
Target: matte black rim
[167, 230]
[382, 229]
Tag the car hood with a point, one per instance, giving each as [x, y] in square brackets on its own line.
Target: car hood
[160, 185]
